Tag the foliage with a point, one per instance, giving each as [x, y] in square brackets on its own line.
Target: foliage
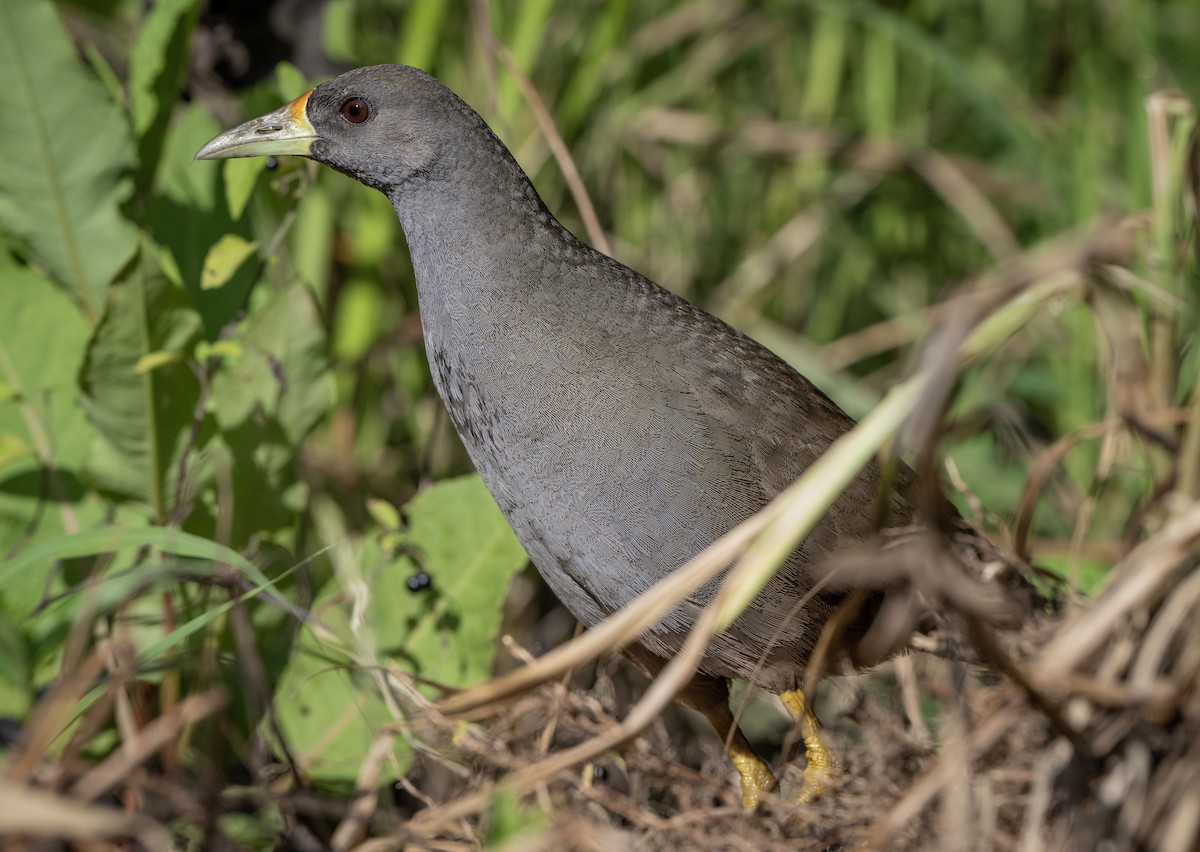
[213, 398]
[162, 373]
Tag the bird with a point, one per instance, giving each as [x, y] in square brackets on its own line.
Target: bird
[620, 428]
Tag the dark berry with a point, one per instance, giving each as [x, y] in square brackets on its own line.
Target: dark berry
[419, 581]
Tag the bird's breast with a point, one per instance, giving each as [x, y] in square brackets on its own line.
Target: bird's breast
[603, 463]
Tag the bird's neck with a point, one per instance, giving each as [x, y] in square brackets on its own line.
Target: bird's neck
[478, 227]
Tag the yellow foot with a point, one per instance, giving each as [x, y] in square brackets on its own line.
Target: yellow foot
[757, 777]
[822, 771]
[820, 776]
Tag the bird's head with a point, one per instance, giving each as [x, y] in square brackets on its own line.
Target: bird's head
[382, 125]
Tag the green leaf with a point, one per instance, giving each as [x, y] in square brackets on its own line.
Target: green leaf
[291, 81]
[157, 65]
[282, 373]
[448, 631]
[384, 513]
[16, 679]
[360, 312]
[111, 539]
[224, 259]
[28, 520]
[310, 243]
[188, 216]
[1090, 572]
[421, 32]
[154, 360]
[13, 448]
[43, 335]
[330, 710]
[265, 401]
[65, 153]
[337, 27]
[241, 176]
[329, 705]
[141, 418]
[32, 359]
[220, 349]
[508, 823]
[32, 582]
[103, 70]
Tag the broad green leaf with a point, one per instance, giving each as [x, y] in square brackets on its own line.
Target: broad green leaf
[373, 227]
[32, 359]
[447, 632]
[282, 373]
[329, 711]
[65, 155]
[142, 419]
[103, 69]
[329, 705]
[43, 334]
[185, 181]
[224, 259]
[37, 506]
[37, 501]
[157, 65]
[328, 697]
[265, 400]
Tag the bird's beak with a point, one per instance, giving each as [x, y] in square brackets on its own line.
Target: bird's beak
[285, 131]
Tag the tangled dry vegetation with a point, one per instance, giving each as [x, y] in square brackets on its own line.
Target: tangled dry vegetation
[1079, 730]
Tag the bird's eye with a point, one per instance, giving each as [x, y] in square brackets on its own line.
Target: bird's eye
[356, 110]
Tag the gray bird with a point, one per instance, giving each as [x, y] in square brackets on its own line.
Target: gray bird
[620, 429]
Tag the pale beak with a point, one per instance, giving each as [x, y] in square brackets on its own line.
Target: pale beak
[285, 131]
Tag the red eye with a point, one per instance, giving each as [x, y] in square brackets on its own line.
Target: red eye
[356, 110]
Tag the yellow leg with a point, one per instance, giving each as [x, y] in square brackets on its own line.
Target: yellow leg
[710, 695]
[757, 777]
[822, 768]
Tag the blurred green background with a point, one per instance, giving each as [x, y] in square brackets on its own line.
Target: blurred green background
[232, 353]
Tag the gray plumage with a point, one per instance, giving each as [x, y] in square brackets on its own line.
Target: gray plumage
[620, 429]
